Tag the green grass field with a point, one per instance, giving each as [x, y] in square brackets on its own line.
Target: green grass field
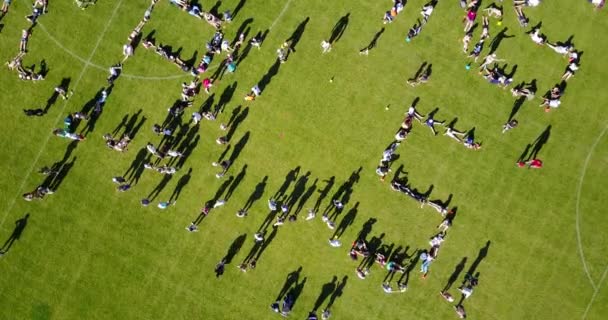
[90, 252]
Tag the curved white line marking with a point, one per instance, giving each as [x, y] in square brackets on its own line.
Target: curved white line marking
[87, 63]
[578, 200]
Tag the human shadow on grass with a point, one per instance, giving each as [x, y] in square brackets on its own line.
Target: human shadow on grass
[497, 40]
[267, 78]
[298, 190]
[373, 43]
[295, 37]
[309, 192]
[339, 28]
[260, 36]
[238, 8]
[222, 188]
[366, 229]
[455, 274]
[238, 147]
[132, 126]
[241, 29]
[405, 277]
[237, 181]
[235, 121]
[375, 246]
[346, 221]
[134, 172]
[235, 247]
[266, 243]
[291, 279]
[483, 253]
[186, 152]
[60, 169]
[61, 175]
[122, 123]
[324, 192]
[206, 106]
[516, 106]
[257, 194]
[216, 7]
[181, 183]
[65, 84]
[289, 178]
[531, 151]
[398, 257]
[343, 193]
[159, 187]
[20, 225]
[424, 66]
[96, 112]
[340, 286]
[326, 290]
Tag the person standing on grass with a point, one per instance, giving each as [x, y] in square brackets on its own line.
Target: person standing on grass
[5, 5]
[25, 36]
[115, 71]
[325, 46]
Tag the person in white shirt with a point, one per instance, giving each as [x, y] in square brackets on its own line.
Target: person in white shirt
[570, 70]
[538, 37]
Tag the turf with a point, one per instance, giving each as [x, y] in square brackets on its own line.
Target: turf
[88, 252]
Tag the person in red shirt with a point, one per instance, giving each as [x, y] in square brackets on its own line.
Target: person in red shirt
[534, 163]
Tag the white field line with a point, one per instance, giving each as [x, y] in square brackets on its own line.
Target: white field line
[48, 137]
[578, 200]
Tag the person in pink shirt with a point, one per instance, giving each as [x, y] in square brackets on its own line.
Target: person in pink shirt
[207, 83]
[469, 20]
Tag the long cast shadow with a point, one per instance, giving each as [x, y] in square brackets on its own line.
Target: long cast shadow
[161, 185]
[339, 28]
[16, 234]
[272, 71]
[516, 106]
[181, 183]
[234, 122]
[306, 196]
[291, 279]
[238, 147]
[235, 247]
[238, 8]
[366, 229]
[297, 34]
[225, 98]
[326, 290]
[65, 84]
[324, 192]
[454, 276]
[483, 252]
[347, 220]
[256, 195]
[337, 293]
[289, 178]
[236, 183]
[298, 190]
[540, 142]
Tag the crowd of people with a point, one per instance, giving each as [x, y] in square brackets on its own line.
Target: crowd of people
[177, 139]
